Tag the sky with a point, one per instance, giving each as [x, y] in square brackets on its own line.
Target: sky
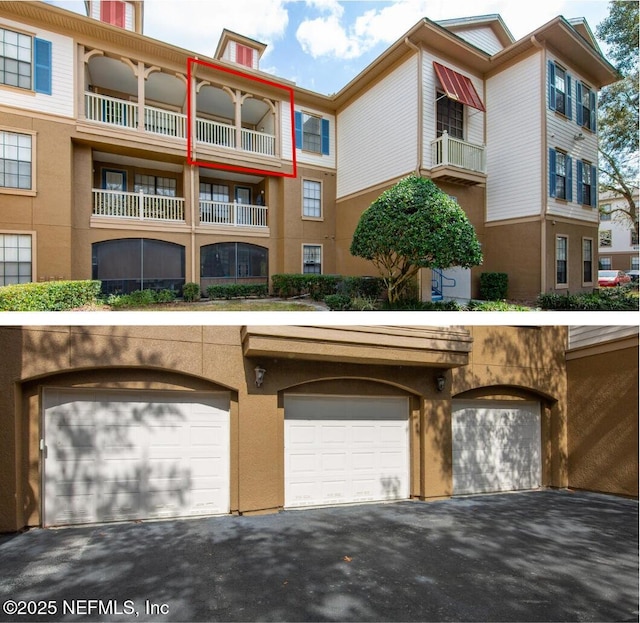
[322, 45]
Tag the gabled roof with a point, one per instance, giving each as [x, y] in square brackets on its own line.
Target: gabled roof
[493, 21]
[582, 28]
[229, 35]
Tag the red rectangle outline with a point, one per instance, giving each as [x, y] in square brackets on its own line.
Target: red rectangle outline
[229, 167]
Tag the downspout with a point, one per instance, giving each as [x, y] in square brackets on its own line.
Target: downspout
[543, 160]
[418, 51]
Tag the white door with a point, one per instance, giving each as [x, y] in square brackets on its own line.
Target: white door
[496, 446]
[341, 450]
[114, 455]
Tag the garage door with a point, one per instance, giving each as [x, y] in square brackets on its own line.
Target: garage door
[134, 455]
[496, 446]
[341, 450]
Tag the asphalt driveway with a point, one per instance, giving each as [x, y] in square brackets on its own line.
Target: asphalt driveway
[537, 556]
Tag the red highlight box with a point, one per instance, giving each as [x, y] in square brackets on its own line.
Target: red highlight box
[229, 167]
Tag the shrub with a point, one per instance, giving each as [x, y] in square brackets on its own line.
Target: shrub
[140, 298]
[237, 290]
[49, 296]
[191, 292]
[495, 306]
[362, 287]
[609, 299]
[165, 296]
[338, 302]
[296, 284]
[415, 305]
[494, 286]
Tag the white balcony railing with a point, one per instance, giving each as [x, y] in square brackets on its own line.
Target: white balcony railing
[118, 204]
[447, 150]
[233, 214]
[122, 113]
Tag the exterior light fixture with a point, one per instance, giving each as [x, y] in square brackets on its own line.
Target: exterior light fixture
[578, 137]
[441, 381]
[260, 372]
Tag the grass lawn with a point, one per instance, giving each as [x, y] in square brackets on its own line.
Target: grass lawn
[240, 305]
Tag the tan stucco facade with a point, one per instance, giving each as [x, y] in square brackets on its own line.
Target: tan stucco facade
[481, 363]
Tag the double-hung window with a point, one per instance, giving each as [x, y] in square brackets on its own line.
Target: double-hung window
[605, 238]
[560, 175]
[562, 247]
[16, 158]
[311, 199]
[312, 259]
[587, 183]
[587, 260]
[586, 107]
[25, 61]
[605, 212]
[312, 133]
[559, 82]
[15, 258]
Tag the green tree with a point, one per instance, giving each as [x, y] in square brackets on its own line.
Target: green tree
[618, 108]
[410, 226]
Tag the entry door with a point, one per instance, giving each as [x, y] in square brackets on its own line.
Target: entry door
[496, 446]
[341, 450]
[115, 455]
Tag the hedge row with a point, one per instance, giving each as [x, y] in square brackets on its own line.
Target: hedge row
[606, 299]
[237, 290]
[49, 295]
[321, 286]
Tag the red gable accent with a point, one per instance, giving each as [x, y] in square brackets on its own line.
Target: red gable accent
[458, 87]
[244, 55]
[113, 12]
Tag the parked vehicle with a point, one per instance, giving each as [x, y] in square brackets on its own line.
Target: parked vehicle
[633, 274]
[609, 278]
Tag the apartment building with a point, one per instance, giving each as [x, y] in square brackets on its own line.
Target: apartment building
[618, 246]
[132, 161]
[141, 422]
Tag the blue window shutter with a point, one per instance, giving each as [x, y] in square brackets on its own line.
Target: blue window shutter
[594, 186]
[569, 111]
[325, 137]
[551, 80]
[592, 106]
[552, 172]
[579, 119]
[569, 189]
[42, 62]
[579, 176]
[298, 121]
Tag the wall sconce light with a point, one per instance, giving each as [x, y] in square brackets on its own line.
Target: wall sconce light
[441, 381]
[260, 372]
[578, 137]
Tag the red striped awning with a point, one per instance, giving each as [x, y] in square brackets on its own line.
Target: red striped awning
[458, 87]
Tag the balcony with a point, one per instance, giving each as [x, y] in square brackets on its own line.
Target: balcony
[125, 114]
[138, 206]
[455, 160]
[232, 214]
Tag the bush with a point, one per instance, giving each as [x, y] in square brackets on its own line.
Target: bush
[494, 286]
[415, 305]
[237, 290]
[495, 306]
[361, 287]
[609, 299]
[296, 284]
[140, 298]
[338, 302]
[191, 292]
[49, 296]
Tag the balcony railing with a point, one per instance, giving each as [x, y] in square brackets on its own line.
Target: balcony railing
[118, 204]
[234, 214]
[124, 114]
[449, 151]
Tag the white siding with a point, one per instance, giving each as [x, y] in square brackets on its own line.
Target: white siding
[582, 336]
[560, 135]
[482, 37]
[378, 132]
[61, 101]
[473, 118]
[514, 139]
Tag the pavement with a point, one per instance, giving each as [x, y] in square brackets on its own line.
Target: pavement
[534, 556]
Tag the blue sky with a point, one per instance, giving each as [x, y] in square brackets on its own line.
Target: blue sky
[322, 44]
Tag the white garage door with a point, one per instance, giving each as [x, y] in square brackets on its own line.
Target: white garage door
[341, 450]
[496, 446]
[114, 455]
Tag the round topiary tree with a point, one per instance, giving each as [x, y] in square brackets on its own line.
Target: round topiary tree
[414, 225]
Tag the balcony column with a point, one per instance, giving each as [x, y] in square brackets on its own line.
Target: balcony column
[141, 84]
[238, 120]
[445, 147]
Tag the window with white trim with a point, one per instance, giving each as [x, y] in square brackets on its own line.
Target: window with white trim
[16, 157]
[605, 238]
[605, 212]
[587, 260]
[311, 199]
[585, 106]
[587, 183]
[635, 263]
[560, 175]
[634, 239]
[312, 259]
[604, 263]
[25, 61]
[312, 133]
[15, 258]
[559, 82]
[562, 255]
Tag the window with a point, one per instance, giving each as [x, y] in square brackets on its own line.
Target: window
[562, 244]
[587, 183]
[244, 55]
[587, 260]
[449, 116]
[16, 156]
[25, 62]
[312, 259]
[605, 212]
[113, 12]
[214, 192]
[634, 239]
[153, 185]
[605, 238]
[585, 107]
[635, 263]
[312, 133]
[15, 259]
[559, 89]
[605, 263]
[560, 175]
[311, 199]
[226, 262]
